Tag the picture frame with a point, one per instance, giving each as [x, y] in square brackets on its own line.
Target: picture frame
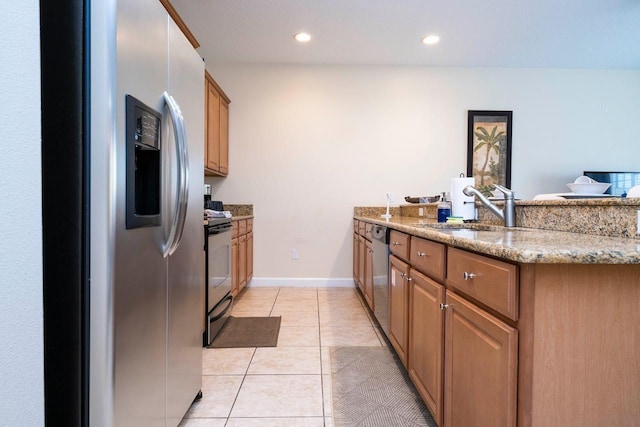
[489, 148]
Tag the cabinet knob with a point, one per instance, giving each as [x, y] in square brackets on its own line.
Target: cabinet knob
[396, 243]
[402, 275]
[421, 254]
[468, 276]
[444, 306]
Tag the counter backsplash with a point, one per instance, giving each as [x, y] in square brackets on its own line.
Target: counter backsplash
[239, 210]
[602, 217]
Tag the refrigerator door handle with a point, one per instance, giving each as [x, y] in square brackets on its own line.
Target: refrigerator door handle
[182, 197]
[183, 200]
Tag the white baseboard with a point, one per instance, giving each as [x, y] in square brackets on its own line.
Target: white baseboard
[301, 282]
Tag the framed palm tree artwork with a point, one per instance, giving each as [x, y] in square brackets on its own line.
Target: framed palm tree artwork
[489, 149]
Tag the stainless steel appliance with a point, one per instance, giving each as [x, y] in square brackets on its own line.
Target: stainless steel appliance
[620, 182]
[380, 247]
[123, 120]
[218, 276]
[147, 121]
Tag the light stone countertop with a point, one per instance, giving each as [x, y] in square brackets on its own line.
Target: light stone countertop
[241, 217]
[523, 245]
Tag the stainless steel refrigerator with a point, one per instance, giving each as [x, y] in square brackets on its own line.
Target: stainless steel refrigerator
[146, 232]
[147, 274]
[123, 130]
[123, 238]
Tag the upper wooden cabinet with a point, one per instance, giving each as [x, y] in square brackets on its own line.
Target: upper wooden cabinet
[216, 155]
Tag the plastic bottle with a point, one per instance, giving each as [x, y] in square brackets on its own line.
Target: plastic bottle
[444, 209]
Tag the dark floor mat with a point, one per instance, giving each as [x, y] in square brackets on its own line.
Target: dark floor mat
[248, 332]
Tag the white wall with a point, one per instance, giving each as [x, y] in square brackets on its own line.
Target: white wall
[21, 336]
[308, 143]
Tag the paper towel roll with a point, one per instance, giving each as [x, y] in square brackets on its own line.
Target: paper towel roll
[461, 204]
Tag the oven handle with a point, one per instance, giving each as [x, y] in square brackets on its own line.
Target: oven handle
[228, 299]
[220, 229]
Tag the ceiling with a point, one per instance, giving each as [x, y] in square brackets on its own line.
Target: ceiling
[474, 33]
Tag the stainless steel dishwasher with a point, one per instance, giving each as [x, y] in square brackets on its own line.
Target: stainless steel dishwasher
[380, 247]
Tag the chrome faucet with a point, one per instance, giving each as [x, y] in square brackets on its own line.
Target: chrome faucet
[508, 215]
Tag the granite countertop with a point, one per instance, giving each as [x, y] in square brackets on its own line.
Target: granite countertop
[523, 245]
[241, 217]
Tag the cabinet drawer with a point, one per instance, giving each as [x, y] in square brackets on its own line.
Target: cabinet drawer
[249, 225]
[428, 257]
[491, 282]
[361, 228]
[399, 244]
[367, 230]
[356, 224]
[236, 229]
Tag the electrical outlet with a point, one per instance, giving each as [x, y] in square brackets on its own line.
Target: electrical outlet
[420, 211]
[638, 224]
[294, 254]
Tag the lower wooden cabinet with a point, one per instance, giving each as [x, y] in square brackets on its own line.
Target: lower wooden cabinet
[362, 255]
[249, 256]
[398, 306]
[481, 366]
[235, 288]
[426, 334]
[368, 274]
[514, 344]
[242, 261]
[355, 257]
[241, 255]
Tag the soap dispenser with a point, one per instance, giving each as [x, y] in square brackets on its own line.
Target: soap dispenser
[444, 208]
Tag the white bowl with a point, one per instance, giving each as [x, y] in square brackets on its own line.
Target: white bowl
[634, 191]
[592, 188]
[583, 180]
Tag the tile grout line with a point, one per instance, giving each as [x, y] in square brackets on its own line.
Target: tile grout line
[244, 377]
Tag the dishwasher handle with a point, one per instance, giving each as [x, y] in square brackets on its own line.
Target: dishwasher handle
[381, 233]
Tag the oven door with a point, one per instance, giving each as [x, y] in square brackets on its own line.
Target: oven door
[218, 286]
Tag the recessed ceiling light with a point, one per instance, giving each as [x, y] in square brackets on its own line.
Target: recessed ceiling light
[302, 37]
[431, 39]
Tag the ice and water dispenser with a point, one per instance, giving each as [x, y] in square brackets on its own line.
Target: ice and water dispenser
[143, 164]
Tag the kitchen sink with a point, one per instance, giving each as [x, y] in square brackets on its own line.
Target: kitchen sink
[458, 226]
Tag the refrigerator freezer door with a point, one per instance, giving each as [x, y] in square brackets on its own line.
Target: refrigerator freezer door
[186, 276]
[140, 270]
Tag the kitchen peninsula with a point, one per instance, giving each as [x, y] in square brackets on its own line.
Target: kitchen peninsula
[523, 326]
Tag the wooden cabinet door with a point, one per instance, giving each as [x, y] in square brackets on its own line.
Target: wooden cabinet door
[213, 128]
[249, 256]
[355, 257]
[361, 259]
[242, 261]
[234, 266]
[368, 274]
[224, 137]
[480, 367]
[398, 305]
[426, 335]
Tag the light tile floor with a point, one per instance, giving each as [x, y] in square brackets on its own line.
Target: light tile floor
[288, 385]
